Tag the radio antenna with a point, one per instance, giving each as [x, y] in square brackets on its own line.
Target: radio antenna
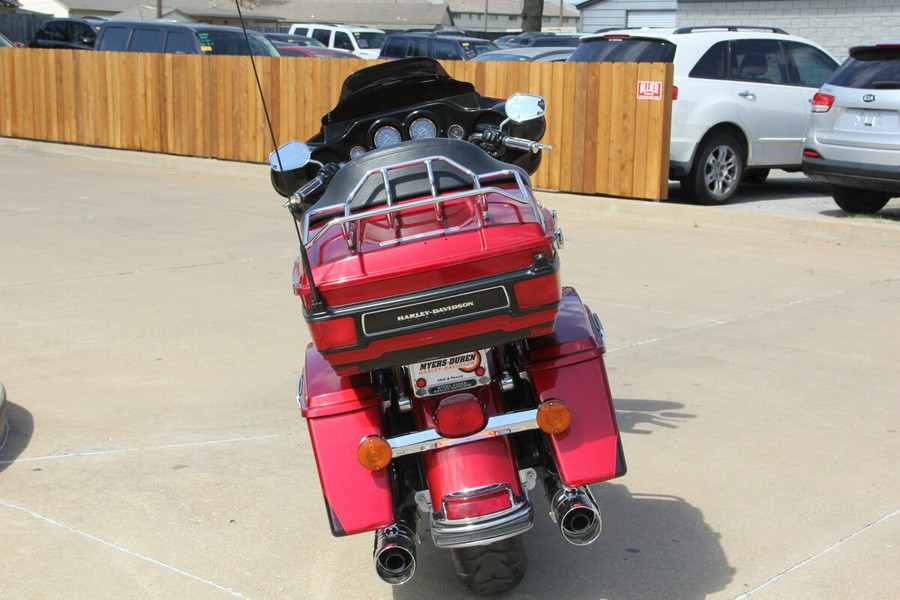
[307, 269]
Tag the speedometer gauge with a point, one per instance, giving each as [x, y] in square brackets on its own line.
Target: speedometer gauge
[386, 136]
[456, 132]
[422, 128]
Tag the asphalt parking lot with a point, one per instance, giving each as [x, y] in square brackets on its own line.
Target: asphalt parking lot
[151, 343]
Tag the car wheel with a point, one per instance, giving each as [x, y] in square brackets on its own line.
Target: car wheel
[717, 171]
[756, 175]
[859, 201]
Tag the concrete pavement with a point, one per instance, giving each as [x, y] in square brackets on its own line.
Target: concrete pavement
[150, 345]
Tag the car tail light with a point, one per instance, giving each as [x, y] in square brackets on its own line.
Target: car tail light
[822, 103]
[540, 291]
[811, 153]
[333, 333]
[477, 504]
[674, 92]
[459, 415]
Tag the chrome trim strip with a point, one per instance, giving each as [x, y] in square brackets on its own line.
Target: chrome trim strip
[429, 439]
[447, 534]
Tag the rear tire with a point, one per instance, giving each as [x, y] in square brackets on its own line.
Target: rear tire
[717, 171]
[492, 569]
[859, 201]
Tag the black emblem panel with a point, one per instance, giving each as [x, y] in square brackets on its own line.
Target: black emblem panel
[410, 316]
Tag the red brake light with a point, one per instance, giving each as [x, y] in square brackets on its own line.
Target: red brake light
[333, 333]
[811, 153]
[459, 415]
[822, 103]
[674, 92]
[540, 291]
[477, 504]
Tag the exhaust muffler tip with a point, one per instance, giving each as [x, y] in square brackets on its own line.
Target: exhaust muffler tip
[577, 514]
[395, 554]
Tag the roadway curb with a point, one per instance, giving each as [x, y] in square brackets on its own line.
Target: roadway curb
[849, 228]
[820, 226]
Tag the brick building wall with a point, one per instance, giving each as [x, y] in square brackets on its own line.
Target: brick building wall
[835, 24]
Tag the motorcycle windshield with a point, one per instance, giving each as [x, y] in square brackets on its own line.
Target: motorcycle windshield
[394, 85]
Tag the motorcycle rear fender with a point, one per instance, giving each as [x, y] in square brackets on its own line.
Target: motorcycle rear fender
[568, 365]
[341, 411]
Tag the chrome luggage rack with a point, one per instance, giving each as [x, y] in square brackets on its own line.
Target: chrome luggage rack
[349, 221]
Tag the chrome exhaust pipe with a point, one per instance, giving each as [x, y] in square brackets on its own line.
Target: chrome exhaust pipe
[577, 514]
[395, 553]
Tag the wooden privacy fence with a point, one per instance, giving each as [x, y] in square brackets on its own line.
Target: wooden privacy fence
[606, 139]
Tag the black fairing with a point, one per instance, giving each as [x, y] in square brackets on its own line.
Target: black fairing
[394, 93]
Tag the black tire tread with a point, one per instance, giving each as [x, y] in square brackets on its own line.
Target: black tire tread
[859, 201]
[492, 569]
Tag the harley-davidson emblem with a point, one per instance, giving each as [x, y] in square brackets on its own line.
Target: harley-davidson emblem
[868, 98]
[439, 310]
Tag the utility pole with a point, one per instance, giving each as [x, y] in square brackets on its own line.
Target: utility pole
[159, 9]
[485, 15]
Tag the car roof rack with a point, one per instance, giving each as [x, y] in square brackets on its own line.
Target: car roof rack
[694, 28]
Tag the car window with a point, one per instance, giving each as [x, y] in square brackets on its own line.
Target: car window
[445, 50]
[870, 68]
[323, 35]
[369, 39]
[394, 47]
[624, 50]
[713, 64]
[342, 41]
[178, 42]
[114, 38]
[761, 61]
[813, 67]
[84, 34]
[417, 48]
[146, 40]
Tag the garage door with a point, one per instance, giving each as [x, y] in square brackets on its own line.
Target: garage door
[650, 18]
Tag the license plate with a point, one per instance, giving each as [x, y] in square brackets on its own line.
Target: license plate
[868, 119]
[450, 374]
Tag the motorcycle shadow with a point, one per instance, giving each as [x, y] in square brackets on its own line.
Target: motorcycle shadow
[21, 427]
[652, 546]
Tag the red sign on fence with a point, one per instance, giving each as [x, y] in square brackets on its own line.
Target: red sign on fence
[649, 90]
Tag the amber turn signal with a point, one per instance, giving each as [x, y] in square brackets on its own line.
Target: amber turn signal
[554, 416]
[374, 453]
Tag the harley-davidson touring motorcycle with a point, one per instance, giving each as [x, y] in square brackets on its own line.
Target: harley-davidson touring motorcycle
[449, 373]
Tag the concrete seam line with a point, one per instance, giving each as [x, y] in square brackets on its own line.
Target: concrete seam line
[818, 555]
[149, 559]
[164, 447]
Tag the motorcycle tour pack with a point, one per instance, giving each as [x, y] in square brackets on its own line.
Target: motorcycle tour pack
[450, 371]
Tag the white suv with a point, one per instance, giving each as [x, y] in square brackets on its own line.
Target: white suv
[364, 42]
[741, 98]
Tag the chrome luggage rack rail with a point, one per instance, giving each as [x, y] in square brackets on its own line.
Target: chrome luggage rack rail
[348, 222]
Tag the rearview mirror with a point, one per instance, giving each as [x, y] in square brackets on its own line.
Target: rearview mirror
[525, 107]
[290, 156]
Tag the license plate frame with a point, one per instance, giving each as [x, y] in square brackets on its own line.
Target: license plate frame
[449, 374]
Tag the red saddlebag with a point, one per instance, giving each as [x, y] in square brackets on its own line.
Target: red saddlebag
[568, 365]
[340, 412]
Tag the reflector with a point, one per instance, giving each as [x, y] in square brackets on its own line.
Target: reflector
[476, 505]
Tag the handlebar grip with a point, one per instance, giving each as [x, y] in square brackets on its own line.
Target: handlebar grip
[523, 144]
[325, 174]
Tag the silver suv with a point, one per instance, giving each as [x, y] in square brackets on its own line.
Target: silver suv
[853, 141]
[741, 98]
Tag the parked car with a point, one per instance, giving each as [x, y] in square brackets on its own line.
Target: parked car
[181, 38]
[526, 54]
[545, 39]
[5, 42]
[853, 141]
[740, 101]
[313, 52]
[286, 39]
[77, 34]
[363, 42]
[440, 47]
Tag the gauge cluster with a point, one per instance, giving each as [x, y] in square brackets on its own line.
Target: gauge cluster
[416, 126]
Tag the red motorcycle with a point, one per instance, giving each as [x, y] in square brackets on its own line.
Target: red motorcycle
[449, 371]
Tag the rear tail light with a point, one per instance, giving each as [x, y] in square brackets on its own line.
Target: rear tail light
[822, 103]
[476, 504]
[540, 291]
[674, 92]
[333, 333]
[459, 415]
[811, 153]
